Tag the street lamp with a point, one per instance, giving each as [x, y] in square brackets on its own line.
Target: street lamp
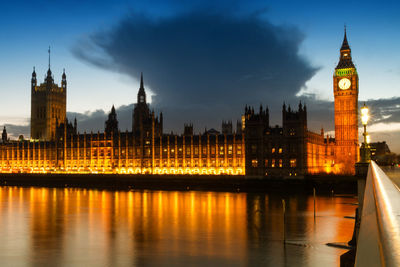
[365, 151]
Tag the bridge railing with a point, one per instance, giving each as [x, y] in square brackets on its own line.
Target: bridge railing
[378, 241]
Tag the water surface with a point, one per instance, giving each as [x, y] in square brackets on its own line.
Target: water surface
[79, 227]
[393, 173]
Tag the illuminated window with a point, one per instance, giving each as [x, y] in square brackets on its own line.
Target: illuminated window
[204, 150]
[213, 150]
[165, 150]
[230, 150]
[273, 163]
[273, 150]
[266, 163]
[196, 150]
[280, 150]
[172, 150]
[280, 163]
[293, 163]
[254, 163]
[187, 151]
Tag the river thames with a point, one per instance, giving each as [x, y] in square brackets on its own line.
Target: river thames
[80, 227]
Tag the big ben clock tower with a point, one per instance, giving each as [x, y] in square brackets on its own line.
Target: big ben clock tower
[345, 89]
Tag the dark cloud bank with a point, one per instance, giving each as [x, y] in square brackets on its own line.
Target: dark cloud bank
[204, 67]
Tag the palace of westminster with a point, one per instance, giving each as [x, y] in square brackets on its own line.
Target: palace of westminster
[254, 149]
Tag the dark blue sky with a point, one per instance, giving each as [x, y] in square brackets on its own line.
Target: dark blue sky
[105, 44]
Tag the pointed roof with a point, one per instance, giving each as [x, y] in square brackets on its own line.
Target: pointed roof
[345, 44]
[345, 54]
[49, 56]
[141, 88]
[141, 80]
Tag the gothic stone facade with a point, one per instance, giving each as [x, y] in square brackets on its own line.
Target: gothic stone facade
[254, 149]
[48, 106]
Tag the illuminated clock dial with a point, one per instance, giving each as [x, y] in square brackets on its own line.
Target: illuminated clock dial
[344, 84]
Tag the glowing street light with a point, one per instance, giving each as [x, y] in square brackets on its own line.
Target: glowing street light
[364, 115]
[365, 151]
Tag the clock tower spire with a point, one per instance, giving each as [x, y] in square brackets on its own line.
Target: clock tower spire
[345, 90]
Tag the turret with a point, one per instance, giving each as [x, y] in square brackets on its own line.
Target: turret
[64, 81]
[49, 78]
[188, 129]
[33, 80]
[75, 126]
[111, 125]
[293, 120]
[226, 127]
[4, 135]
[141, 97]
[238, 127]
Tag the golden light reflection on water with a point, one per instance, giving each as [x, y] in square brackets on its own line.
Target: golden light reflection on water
[77, 227]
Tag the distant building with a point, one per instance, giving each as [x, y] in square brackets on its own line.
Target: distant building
[379, 149]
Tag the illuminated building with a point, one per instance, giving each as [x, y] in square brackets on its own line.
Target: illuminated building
[293, 150]
[345, 89]
[145, 150]
[288, 151]
[254, 149]
[48, 105]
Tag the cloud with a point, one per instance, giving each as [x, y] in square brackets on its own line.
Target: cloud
[203, 66]
[94, 121]
[384, 110]
[15, 130]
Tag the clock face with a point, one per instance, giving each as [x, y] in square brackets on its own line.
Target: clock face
[344, 84]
